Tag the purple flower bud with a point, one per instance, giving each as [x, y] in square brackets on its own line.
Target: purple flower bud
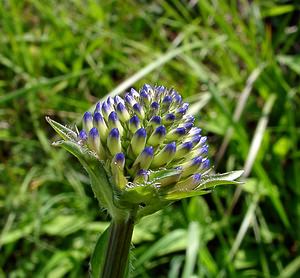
[167, 99]
[182, 110]
[100, 124]
[134, 123]
[183, 150]
[82, 135]
[195, 131]
[138, 141]
[114, 142]
[87, 121]
[203, 140]
[166, 103]
[160, 89]
[197, 160]
[94, 132]
[113, 122]
[117, 170]
[98, 107]
[147, 88]
[98, 118]
[161, 131]
[165, 156]
[191, 166]
[87, 116]
[134, 93]
[196, 139]
[122, 112]
[120, 107]
[114, 133]
[180, 131]
[154, 105]
[120, 158]
[110, 100]
[205, 163]
[157, 136]
[169, 119]
[141, 133]
[204, 149]
[156, 120]
[142, 172]
[185, 105]
[174, 134]
[139, 110]
[170, 148]
[189, 119]
[144, 160]
[95, 143]
[188, 126]
[145, 97]
[177, 97]
[106, 108]
[118, 100]
[148, 151]
[197, 177]
[187, 145]
[188, 184]
[113, 117]
[136, 107]
[129, 99]
[141, 176]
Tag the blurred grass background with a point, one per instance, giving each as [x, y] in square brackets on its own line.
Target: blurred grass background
[237, 62]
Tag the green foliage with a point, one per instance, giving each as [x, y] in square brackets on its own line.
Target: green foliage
[237, 62]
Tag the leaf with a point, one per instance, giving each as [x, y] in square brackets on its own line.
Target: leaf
[62, 131]
[193, 243]
[173, 241]
[219, 179]
[292, 61]
[98, 177]
[162, 174]
[185, 194]
[278, 10]
[206, 183]
[64, 225]
[98, 256]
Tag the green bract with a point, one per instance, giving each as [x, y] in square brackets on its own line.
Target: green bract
[142, 152]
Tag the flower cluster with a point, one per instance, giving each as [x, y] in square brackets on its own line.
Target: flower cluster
[142, 151]
[146, 131]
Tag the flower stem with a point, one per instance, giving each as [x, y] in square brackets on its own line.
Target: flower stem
[116, 259]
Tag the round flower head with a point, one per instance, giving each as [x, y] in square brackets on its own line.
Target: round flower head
[153, 117]
[148, 147]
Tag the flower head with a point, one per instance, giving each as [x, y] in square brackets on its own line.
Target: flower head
[147, 146]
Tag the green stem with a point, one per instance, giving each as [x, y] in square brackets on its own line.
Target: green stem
[118, 248]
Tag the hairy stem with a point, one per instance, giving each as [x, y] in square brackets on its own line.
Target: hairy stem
[118, 248]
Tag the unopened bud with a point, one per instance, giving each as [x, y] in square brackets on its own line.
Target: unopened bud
[157, 136]
[138, 141]
[192, 166]
[95, 143]
[165, 155]
[134, 123]
[122, 112]
[113, 122]
[87, 121]
[100, 124]
[114, 142]
[144, 159]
